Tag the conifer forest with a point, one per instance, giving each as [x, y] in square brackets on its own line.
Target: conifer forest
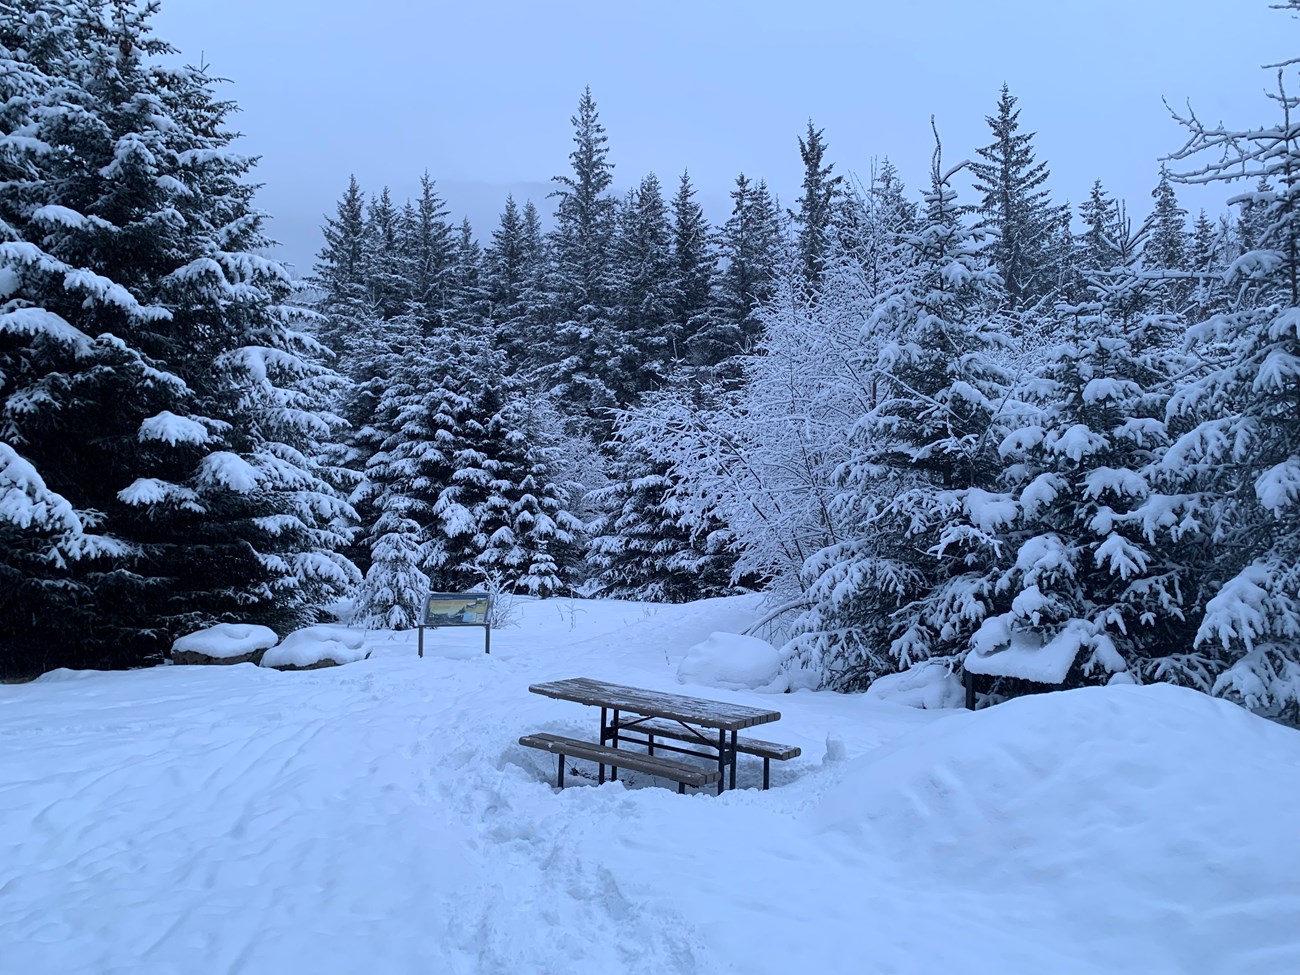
[926, 414]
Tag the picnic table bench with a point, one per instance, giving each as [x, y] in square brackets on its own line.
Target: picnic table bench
[633, 715]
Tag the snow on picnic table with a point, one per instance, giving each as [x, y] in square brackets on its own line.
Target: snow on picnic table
[381, 817]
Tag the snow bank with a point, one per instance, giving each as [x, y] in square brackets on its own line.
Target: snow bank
[1115, 803]
[926, 685]
[324, 645]
[226, 643]
[731, 661]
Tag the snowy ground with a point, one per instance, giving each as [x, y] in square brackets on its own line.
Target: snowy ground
[380, 818]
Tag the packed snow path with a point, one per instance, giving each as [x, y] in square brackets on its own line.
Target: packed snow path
[380, 817]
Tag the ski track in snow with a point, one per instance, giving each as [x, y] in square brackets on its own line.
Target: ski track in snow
[380, 817]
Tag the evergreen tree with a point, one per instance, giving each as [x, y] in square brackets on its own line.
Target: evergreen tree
[750, 247]
[1240, 455]
[880, 595]
[513, 266]
[468, 303]
[1206, 257]
[528, 534]
[647, 544]
[383, 264]
[1097, 245]
[426, 244]
[1166, 244]
[695, 267]
[643, 340]
[185, 431]
[1017, 206]
[817, 205]
[340, 268]
[1094, 567]
[582, 285]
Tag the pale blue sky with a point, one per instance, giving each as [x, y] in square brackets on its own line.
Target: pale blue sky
[480, 93]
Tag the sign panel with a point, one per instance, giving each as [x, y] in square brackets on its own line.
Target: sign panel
[456, 609]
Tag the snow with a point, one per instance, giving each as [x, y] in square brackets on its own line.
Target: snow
[173, 429]
[381, 817]
[999, 651]
[146, 491]
[989, 512]
[732, 661]
[225, 469]
[227, 640]
[52, 213]
[315, 644]
[924, 685]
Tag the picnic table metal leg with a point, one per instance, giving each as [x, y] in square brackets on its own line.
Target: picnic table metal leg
[733, 760]
[613, 775]
[559, 776]
[603, 714]
[767, 766]
[722, 760]
[420, 639]
[651, 742]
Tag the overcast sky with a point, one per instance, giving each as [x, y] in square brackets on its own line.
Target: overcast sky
[480, 93]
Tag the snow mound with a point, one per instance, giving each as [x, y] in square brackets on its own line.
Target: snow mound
[324, 645]
[1166, 795]
[926, 685]
[732, 661]
[224, 643]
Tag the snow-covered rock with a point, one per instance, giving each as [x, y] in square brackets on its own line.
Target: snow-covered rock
[732, 661]
[926, 685]
[313, 647]
[225, 643]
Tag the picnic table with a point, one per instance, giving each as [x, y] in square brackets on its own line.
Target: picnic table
[639, 716]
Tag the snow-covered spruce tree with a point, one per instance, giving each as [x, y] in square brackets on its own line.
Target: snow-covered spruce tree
[427, 246]
[644, 337]
[339, 274]
[1097, 246]
[817, 205]
[1241, 455]
[465, 482]
[647, 543]
[581, 282]
[1207, 260]
[467, 304]
[751, 249]
[383, 262]
[150, 372]
[695, 269]
[514, 266]
[1095, 562]
[884, 593]
[1017, 206]
[418, 423]
[1166, 244]
[529, 538]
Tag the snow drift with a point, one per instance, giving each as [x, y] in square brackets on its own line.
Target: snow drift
[732, 661]
[1122, 807]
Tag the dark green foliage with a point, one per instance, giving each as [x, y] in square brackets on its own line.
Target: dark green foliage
[186, 430]
[1016, 204]
[817, 205]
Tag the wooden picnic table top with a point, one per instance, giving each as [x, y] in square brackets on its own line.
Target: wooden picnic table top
[637, 700]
